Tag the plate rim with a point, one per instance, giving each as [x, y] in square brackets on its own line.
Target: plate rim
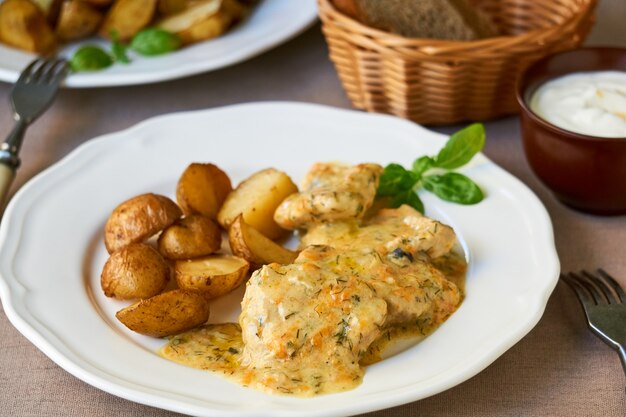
[139, 393]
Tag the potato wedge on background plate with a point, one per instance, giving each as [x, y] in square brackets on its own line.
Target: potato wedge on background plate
[212, 275]
[166, 314]
[127, 17]
[23, 25]
[50, 9]
[204, 20]
[250, 244]
[256, 198]
[77, 19]
[169, 7]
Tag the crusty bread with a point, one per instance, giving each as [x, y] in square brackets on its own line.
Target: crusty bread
[439, 19]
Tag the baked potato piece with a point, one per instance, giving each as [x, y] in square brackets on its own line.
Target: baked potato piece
[127, 17]
[256, 199]
[135, 271]
[139, 218]
[24, 25]
[170, 7]
[205, 20]
[190, 237]
[50, 9]
[212, 275]
[166, 314]
[98, 3]
[77, 20]
[202, 189]
[248, 243]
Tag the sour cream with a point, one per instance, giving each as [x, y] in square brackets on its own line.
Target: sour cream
[590, 103]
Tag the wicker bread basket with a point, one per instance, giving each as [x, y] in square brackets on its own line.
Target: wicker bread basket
[441, 82]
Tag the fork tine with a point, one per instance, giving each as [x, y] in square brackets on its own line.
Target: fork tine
[44, 72]
[614, 284]
[57, 71]
[601, 285]
[591, 288]
[30, 70]
[581, 293]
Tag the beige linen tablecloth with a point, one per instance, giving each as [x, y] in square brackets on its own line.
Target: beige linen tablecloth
[559, 369]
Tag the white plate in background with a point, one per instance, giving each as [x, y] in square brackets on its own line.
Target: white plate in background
[51, 254]
[271, 23]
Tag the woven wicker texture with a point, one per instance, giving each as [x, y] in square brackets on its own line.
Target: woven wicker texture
[434, 81]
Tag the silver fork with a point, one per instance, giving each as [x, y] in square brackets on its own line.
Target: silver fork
[32, 94]
[604, 303]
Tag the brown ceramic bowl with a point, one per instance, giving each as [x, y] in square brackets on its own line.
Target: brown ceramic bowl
[585, 172]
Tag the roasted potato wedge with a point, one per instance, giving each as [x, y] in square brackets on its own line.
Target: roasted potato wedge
[127, 17]
[135, 271]
[50, 9]
[98, 3]
[213, 275]
[77, 20]
[257, 198]
[24, 25]
[166, 314]
[170, 7]
[202, 189]
[250, 244]
[139, 218]
[190, 237]
[203, 20]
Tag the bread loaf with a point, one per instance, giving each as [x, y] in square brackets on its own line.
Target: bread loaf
[439, 19]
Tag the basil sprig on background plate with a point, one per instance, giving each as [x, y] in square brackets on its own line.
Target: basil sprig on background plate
[434, 173]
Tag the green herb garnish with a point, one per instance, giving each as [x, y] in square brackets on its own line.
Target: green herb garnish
[434, 173]
[154, 41]
[118, 49]
[90, 58]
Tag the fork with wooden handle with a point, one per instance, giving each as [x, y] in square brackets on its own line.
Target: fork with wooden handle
[32, 94]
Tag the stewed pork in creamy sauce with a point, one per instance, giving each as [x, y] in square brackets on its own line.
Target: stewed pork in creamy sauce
[309, 328]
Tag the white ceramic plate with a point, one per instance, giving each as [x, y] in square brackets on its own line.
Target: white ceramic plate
[52, 252]
[272, 23]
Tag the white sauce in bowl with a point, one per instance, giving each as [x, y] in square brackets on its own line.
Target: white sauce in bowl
[590, 103]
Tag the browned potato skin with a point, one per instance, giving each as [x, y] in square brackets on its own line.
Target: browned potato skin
[166, 314]
[190, 237]
[202, 189]
[199, 27]
[50, 9]
[98, 3]
[210, 283]
[127, 17]
[24, 25]
[248, 243]
[77, 20]
[135, 271]
[139, 218]
[257, 198]
[169, 7]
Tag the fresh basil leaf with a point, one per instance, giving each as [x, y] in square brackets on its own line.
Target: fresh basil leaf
[118, 49]
[461, 147]
[453, 187]
[90, 58]
[422, 165]
[408, 197]
[395, 179]
[154, 41]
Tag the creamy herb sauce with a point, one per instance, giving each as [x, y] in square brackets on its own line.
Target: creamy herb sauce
[310, 327]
